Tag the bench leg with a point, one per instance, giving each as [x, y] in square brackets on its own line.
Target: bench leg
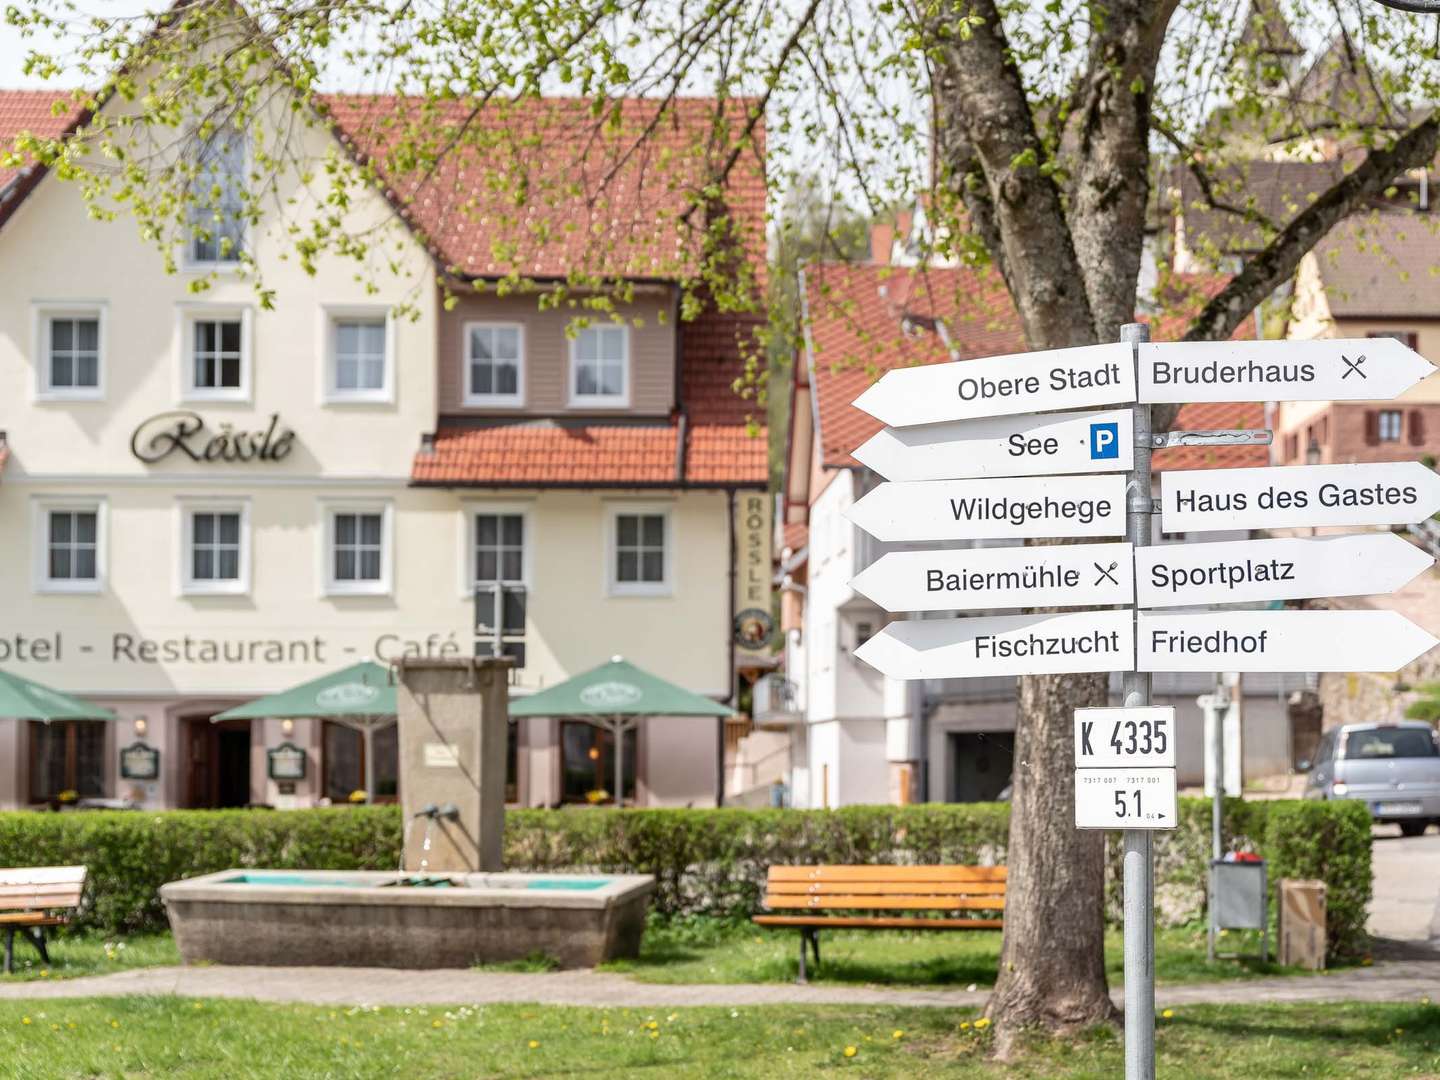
[36, 937]
[815, 944]
[800, 978]
[9, 949]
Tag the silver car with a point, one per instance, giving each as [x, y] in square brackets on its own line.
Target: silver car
[1393, 768]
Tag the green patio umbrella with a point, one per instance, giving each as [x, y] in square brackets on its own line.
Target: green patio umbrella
[22, 699]
[361, 696]
[614, 696]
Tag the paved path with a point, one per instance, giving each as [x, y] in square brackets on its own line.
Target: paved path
[1398, 980]
[1406, 904]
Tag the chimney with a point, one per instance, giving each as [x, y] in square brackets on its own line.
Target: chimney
[904, 221]
[882, 240]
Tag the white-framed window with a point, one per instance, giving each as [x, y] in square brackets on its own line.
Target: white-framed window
[359, 347]
[600, 366]
[494, 364]
[214, 547]
[215, 353]
[215, 203]
[1392, 422]
[358, 548]
[70, 352]
[639, 550]
[498, 546]
[69, 545]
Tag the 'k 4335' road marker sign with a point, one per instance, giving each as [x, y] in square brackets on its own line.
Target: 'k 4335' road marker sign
[1388, 493]
[1139, 736]
[1247, 571]
[1126, 799]
[980, 509]
[1278, 641]
[1322, 369]
[1069, 575]
[1083, 442]
[1002, 645]
[1003, 385]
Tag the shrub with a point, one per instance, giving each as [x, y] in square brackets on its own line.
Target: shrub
[705, 862]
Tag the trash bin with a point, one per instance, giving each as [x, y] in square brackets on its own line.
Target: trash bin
[1302, 923]
[1239, 900]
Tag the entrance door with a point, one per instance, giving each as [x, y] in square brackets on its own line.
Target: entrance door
[980, 764]
[219, 763]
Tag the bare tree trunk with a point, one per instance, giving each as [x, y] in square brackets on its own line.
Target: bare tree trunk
[1052, 964]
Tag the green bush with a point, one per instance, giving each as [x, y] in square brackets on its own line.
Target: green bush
[706, 862]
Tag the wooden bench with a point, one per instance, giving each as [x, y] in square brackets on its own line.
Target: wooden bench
[32, 898]
[820, 891]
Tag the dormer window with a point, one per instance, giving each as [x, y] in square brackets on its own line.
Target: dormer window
[215, 211]
[600, 367]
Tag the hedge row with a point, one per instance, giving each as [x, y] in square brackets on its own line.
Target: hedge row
[706, 862]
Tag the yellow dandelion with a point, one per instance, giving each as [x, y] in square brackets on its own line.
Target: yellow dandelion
[437, 1023]
[851, 1051]
[1168, 1014]
[672, 1018]
[982, 1023]
[114, 1023]
[26, 1020]
[654, 1034]
[651, 1024]
[115, 1048]
[198, 1005]
[72, 1025]
[54, 1027]
[534, 1044]
[44, 973]
[964, 1025]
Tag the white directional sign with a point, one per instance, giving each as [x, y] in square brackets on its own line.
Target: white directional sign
[1141, 736]
[1245, 571]
[1367, 369]
[1071, 575]
[1004, 446]
[980, 509]
[1388, 493]
[1126, 799]
[1278, 641]
[1002, 645]
[1003, 385]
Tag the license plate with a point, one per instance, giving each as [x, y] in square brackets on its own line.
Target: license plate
[1385, 809]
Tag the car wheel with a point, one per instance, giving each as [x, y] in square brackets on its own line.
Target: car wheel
[1413, 828]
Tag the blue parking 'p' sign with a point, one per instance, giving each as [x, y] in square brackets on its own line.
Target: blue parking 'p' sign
[1104, 441]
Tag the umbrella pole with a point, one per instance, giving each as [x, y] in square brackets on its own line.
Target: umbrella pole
[618, 726]
[368, 733]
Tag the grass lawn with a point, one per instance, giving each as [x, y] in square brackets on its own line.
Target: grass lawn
[708, 951]
[190, 1038]
[72, 955]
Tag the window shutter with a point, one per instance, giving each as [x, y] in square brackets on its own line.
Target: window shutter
[1372, 428]
[1417, 427]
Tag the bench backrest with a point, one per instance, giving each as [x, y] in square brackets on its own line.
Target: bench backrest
[41, 887]
[922, 888]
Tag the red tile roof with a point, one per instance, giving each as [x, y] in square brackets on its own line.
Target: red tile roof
[856, 323]
[541, 188]
[43, 113]
[857, 319]
[536, 453]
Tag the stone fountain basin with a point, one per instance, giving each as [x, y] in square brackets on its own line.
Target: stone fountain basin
[362, 918]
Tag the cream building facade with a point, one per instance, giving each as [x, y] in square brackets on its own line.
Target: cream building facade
[205, 499]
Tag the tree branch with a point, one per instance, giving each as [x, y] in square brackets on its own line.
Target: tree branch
[989, 106]
[1266, 271]
[1109, 153]
[1207, 188]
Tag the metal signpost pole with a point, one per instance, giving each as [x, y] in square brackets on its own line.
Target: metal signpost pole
[1139, 862]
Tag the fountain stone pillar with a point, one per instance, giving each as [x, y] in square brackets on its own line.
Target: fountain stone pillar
[452, 717]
